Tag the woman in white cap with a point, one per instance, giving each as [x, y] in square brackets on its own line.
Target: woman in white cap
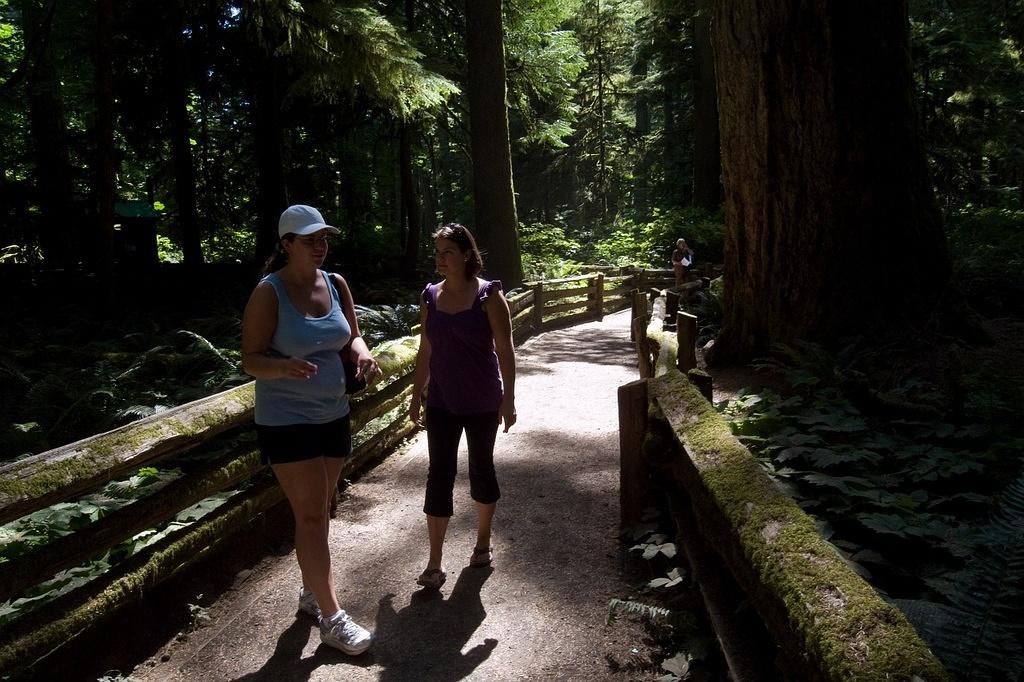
[295, 323]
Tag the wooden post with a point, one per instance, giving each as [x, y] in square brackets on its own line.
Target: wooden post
[633, 314]
[671, 305]
[632, 467]
[686, 336]
[599, 297]
[639, 334]
[702, 380]
[538, 307]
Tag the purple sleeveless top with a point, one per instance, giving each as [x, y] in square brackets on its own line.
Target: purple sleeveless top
[464, 375]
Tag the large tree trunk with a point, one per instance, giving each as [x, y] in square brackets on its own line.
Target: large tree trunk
[493, 196]
[831, 226]
[181, 148]
[271, 196]
[675, 189]
[410, 202]
[707, 159]
[48, 131]
[105, 171]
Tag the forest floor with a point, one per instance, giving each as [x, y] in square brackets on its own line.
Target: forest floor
[538, 613]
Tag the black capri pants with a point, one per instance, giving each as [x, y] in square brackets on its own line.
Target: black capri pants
[444, 431]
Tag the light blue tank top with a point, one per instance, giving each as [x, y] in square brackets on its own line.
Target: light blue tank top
[321, 398]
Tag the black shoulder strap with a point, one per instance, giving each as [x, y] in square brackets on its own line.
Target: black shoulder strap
[337, 289]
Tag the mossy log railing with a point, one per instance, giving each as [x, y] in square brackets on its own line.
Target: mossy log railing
[829, 623]
[66, 472]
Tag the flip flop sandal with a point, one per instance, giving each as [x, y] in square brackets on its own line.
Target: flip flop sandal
[481, 556]
[432, 578]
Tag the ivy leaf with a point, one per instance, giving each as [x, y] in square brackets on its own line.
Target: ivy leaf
[673, 578]
[888, 524]
[840, 423]
[678, 665]
[841, 483]
[869, 556]
[792, 453]
[668, 549]
[798, 439]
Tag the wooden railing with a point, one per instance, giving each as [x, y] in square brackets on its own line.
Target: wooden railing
[750, 547]
[64, 473]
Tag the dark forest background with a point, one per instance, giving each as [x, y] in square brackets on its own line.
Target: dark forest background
[855, 169]
[210, 117]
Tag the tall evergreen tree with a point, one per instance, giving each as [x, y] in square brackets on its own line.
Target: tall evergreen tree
[832, 228]
[181, 146]
[103, 133]
[410, 201]
[707, 157]
[48, 131]
[493, 195]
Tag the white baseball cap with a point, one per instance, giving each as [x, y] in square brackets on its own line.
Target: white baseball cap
[301, 219]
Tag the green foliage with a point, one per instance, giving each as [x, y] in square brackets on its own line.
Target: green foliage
[167, 251]
[67, 389]
[709, 307]
[229, 245]
[680, 628]
[20, 537]
[977, 630]
[340, 49]
[902, 499]
[650, 244]
[969, 65]
[64, 389]
[654, 614]
[16, 253]
[988, 257]
[380, 323]
[547, 251]
[555, 251]
[543, 61]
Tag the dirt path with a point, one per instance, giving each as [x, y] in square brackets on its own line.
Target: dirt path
[539, 613]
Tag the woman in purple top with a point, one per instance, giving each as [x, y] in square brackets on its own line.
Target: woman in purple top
[467, 357]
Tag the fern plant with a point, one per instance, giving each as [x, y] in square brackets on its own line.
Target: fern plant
[979, 633]
[649, 612]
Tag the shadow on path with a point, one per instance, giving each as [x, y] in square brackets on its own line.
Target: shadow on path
[287, 664]
[424, 640]
[575, 346]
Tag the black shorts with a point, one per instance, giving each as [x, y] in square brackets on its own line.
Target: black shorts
[297, 442]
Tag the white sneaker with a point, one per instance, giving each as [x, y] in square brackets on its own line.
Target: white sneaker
[307, 603]
[343, 633]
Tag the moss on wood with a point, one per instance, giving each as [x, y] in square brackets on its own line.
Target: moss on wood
[844, 628]
[664, 342]
[21, 653]
[396, 358]
[56, 474]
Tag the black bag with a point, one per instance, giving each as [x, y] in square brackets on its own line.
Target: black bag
[352, 383]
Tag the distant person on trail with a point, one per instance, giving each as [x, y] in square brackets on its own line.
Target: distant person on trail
[465, 339]
[296, 322]
[682, 259]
